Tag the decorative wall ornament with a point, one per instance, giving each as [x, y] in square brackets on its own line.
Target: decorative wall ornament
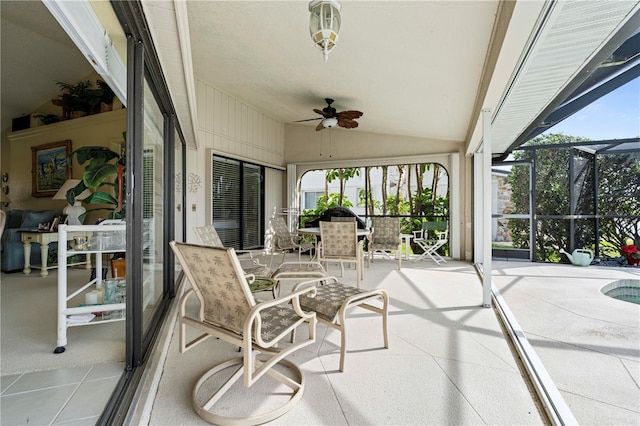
[194, 182]
[178, 182]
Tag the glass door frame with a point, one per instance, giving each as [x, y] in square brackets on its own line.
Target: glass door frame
[530, 215]
[143, 64]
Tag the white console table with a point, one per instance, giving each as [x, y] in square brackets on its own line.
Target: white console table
[44, 239]
[101, 241]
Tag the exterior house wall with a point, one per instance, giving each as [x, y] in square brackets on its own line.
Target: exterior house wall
[231, 128]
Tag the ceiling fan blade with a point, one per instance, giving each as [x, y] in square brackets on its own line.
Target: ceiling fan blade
[320, 126]
[349, 114]
[347, 123]
[309, 119]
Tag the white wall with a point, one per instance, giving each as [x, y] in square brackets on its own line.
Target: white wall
[231, 128]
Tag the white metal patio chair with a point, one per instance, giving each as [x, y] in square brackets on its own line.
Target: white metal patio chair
[339, 243]
[208, 236]
[386, 236]
[228, 311]
[429, 244]
[283, 241]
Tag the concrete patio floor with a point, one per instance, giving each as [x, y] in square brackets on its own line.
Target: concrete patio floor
[449, 361]
[589, 343]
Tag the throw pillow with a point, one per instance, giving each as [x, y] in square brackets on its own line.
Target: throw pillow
[34, 218]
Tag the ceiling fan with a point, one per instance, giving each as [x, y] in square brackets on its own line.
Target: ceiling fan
[331, 118]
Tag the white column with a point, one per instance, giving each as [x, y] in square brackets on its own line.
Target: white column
[292, 197]
[486, 208]
[455, 209]
[478, 238]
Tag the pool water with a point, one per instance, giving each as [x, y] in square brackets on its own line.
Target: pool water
[632, 299]
[625, 290]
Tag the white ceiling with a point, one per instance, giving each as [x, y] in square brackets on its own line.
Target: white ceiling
[415, 68]
[35, 54]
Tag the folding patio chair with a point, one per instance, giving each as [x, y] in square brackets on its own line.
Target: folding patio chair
[430, 245]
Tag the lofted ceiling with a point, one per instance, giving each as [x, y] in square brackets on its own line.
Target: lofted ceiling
[36, 53]
[413, 68]
[417, 68]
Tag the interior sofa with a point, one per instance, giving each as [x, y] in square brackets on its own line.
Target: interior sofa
[12, 259]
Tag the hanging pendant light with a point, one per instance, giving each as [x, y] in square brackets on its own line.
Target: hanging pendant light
[324, 24]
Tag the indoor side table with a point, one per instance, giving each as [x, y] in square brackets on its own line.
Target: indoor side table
[44, 239]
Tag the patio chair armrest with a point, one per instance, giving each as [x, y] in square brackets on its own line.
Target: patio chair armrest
[183, 305]
[250, 253]
[253, 323]
[313, 282]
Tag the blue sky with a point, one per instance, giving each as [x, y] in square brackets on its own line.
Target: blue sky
[613, 116]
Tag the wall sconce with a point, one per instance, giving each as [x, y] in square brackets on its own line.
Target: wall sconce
[4, 199]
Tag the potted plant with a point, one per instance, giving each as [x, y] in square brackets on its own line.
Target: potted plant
[104, 175]
[631, 253]
[106, 96]
[47, 119]
[77, 100]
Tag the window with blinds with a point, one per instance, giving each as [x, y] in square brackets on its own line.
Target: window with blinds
[252, 184]
[237, 202]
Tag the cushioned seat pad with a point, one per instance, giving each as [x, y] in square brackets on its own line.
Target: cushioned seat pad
[329, 299]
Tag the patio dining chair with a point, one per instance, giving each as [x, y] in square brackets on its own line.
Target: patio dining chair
[339, 244]
[228, 311]
[283, 241]
[430, 244]
[208, 236]
[386, 236]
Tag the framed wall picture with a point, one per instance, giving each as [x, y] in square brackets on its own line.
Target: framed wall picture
[49, 168]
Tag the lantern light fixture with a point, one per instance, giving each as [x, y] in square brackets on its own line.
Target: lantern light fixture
[324, 24]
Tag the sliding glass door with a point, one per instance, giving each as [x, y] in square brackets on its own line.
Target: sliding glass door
[238, 202]
[152, 207]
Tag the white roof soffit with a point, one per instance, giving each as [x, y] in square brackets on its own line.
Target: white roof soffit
[565, 36]
[169, 29]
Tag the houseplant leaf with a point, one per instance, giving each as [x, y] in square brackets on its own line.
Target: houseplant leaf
[96, 177]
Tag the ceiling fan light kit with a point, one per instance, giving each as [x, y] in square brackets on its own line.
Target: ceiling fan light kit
[324, 24]
[330, 122]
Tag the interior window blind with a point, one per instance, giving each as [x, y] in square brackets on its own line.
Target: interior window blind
[238, 202]
[226, 200]
[252, 178]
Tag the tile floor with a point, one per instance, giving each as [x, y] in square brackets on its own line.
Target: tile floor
[441, 344]
[67, 396]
